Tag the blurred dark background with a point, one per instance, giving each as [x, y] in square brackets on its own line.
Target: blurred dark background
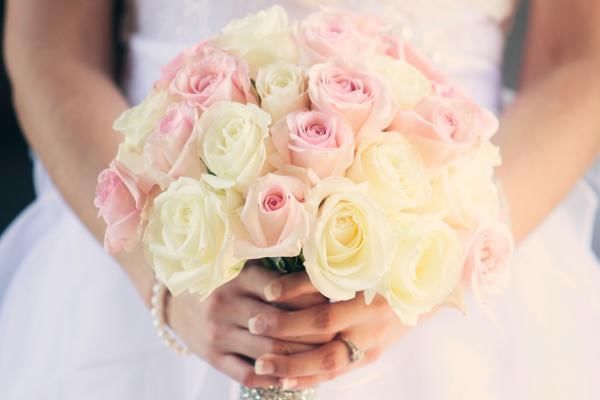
[15, 163]
[15, 166]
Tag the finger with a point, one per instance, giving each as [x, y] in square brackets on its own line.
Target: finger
[304, 301]
[254, 279]
[313, 339]
[318, 320]
[305, 382]
[243, 372]
[289, 286]
[326, 359]
[241, 310]
[240, 341]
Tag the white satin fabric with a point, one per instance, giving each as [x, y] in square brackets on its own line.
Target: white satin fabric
[72, 326]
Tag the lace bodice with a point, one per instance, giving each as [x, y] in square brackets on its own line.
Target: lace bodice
[463, 37]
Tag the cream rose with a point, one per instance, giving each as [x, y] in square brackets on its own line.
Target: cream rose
[427, 266]
[189, 237]
[274, 219]
[394, 171]
[350, 244]
[330, 34]
[487, 266]
[464, 194]
[407, 84]
[138, 122]
[282, 89]
[360, 98]
[399, 49]
[232, 142]
[314, 141]
[260, 39]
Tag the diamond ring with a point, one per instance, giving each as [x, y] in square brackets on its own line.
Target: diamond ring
[354, 352]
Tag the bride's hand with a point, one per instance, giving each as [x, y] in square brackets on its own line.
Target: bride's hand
[217, 328]
[372, 328]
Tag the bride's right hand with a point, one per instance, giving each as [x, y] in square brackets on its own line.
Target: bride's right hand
[216, 329]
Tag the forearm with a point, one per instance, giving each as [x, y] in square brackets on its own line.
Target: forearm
[548, 138]
[66, 113]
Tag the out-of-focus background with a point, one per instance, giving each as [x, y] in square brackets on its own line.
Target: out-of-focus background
[15, 163]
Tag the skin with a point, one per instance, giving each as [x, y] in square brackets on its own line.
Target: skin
[66, 110]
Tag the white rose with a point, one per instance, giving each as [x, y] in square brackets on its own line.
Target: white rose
[138, 122]
[465, 194]
[394, 171]
[282, 88]
[407, 83]
[350, 244]
[427, 266]
[188, 240]
[232, 142]
[135, 125]
[260, 39]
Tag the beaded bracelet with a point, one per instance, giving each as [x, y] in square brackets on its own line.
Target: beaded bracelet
[157, 301]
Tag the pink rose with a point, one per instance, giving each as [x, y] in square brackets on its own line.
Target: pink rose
[120, 198]
[171, 151]
[330, 34]
[487, 266]
[445, 128]
[274, 219]
[314, 140]
[360, 99]
[171, 69]
[205, 75]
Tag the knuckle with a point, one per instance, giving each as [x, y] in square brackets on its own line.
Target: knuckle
[279, 347]
[212, 332]
[214, 305]
[276, 322]
[323, 318]
[330, 361]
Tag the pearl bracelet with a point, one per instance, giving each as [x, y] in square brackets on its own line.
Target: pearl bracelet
[159, 293]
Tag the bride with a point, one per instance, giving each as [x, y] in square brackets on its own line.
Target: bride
[74, 322]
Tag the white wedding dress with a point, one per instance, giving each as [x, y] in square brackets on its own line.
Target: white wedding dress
[72, 326]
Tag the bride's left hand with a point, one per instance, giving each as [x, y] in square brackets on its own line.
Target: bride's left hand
[372, 328]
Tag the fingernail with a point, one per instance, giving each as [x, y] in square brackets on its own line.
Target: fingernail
[273, 291]
[263, 367]
[288, 383]
[256, 326]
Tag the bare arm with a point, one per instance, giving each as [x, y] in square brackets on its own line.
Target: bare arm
[551, 134]
[59, 57]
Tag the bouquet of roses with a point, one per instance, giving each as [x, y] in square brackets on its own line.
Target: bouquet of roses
[328, 145]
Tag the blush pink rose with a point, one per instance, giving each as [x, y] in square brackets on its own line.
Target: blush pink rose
[314, 140]
[329, 34]
[445, 128]
[487, 266]
[172, 151]
[197, 52]
[205, 75]
[275, 223]
[359, 98]
[120, 198]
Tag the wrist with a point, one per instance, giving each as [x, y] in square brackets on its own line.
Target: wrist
[139, 272]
